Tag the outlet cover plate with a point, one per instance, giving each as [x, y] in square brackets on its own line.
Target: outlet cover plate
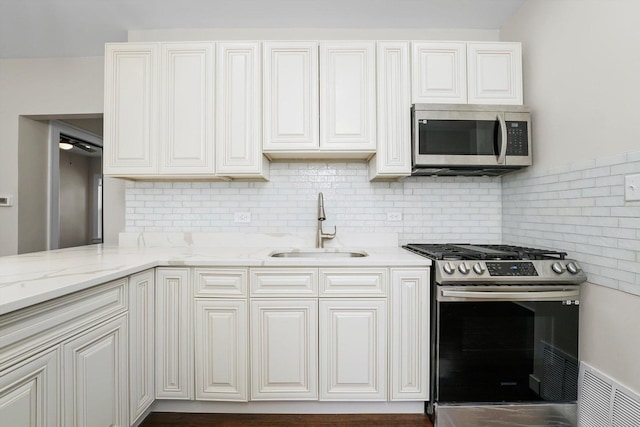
[242, 217]
[632, 188]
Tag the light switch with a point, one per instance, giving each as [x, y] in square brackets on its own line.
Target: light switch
[6, 200]
[632, 188]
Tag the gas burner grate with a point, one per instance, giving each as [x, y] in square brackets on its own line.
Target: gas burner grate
[467, 251]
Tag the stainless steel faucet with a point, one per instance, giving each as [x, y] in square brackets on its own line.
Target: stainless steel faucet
[320, 235]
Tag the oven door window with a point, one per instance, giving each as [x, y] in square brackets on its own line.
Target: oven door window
[459, 137]
[507, 352]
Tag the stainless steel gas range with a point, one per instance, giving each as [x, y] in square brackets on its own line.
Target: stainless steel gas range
[504, 334]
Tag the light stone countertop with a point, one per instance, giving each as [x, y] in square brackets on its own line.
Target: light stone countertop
[34, 278]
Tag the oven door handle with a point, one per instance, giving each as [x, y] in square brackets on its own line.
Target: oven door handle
[513, 296]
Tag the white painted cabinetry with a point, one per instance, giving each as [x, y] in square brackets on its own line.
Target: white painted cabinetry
[353, 349]
[472, 72]
[393, 154]
[29, 391]
[239, 111]
[291, 116]
[141, 343]
[284, 336]
[94, 386]
[174, 334]
[495, 73]
[131, 100]
[186, 109]
[409, 334]
[348, 96]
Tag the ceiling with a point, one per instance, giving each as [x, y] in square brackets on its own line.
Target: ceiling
[52, 28]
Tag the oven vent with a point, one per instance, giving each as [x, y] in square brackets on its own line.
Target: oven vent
[559, 375]
[603, 402]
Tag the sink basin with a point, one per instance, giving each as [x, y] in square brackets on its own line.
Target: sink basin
[318, 253]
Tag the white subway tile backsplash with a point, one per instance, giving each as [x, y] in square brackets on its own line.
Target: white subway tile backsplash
[583, 212]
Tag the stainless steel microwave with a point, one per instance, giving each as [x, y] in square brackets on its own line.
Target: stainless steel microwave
[471, 140]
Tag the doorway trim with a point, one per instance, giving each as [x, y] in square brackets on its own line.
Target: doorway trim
[57, 127]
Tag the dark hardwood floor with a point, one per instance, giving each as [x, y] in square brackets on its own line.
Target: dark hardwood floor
[162, 419]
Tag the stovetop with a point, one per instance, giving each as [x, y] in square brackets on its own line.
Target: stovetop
[466, 264]
[466, 251]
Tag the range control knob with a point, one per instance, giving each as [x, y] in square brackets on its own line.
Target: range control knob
[557, 267]
[448, 268]
[463, 268]
[573, 268]
[478, 268]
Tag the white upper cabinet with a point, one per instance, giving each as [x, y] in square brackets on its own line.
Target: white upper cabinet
[473, 73]
[290, 96]
[130, 111]
[186, 109]
[439, 73]
[239, 111]
[348, 96]
[393, 155]
[495, 73]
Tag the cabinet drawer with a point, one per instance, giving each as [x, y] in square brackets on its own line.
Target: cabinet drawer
[35, 327]
[220, 282]
[284, 282]
[354, 282]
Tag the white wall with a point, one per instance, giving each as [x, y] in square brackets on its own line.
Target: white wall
[54, 86]
[581, 68]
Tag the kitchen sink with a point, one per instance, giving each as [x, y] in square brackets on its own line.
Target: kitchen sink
[318, 253]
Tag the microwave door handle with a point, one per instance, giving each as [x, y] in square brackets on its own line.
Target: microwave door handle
[503, 133]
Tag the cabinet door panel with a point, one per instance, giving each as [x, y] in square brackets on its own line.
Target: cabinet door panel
[187, 140]
[353, 362]
[239, 110]
[290, 95]
[95, 379]
[29, 392]
[131, 114]
[174, 342]
[495, 73]
[221, 350]
[348, 96]
[284, 350]
[393, 156]
[141, 343]
[439, 72]
[409, 334]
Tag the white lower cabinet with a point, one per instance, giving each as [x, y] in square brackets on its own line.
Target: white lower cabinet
[221, 350]
[353, 349]
[94, 385]
[174, 334]
[29, 391]
[284, 336]
[409, 334]
[141, 342]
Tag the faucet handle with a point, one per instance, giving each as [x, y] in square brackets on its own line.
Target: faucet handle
[331, 235]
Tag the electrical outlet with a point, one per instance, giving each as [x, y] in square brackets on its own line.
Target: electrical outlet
[6, 200]
[242, 217]
[394, 216]
[632, 188]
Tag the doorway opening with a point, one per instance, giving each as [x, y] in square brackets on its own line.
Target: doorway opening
[76, 187]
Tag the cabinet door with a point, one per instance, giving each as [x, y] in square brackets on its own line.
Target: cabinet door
[174, 340]
[95, 390]
[495, 73]
[187, 82]
[348, 96]
[439, 72]
[221, 350]
[409, 340]
[141, 343]
[393, 156]
[284, 359]
[131, 108]
[239, 111]
[29, 392]
[353, 349]
[290, 96]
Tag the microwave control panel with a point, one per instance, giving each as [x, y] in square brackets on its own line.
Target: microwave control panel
[517, 139]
